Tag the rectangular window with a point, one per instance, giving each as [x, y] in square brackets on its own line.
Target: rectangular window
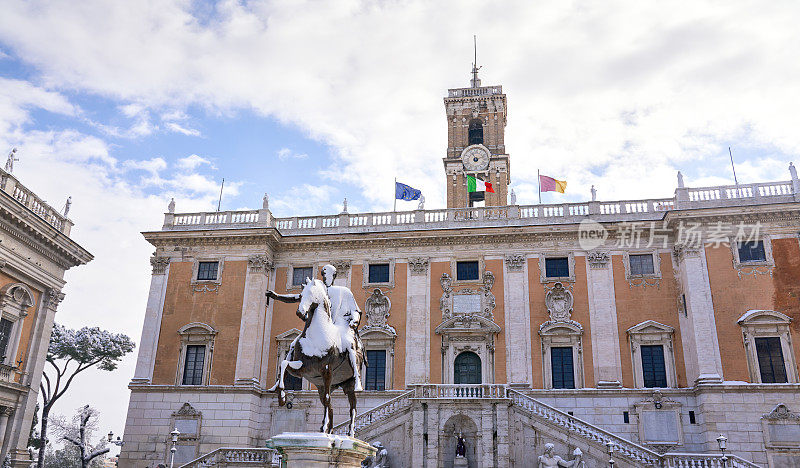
[467, 271]
[654, 370]
[642, 264]
[376, 370]
[291, 382]
[207, 271]
[562, 368]
[193, 367]
[299, 275]
[752, 251]
[556, 267]
[770, 360]
[379, 273]
[5, 336]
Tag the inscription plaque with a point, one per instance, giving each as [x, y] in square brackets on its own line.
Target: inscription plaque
[660, 426]
[466, 304]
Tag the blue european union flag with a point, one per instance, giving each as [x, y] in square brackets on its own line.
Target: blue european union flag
[405, 192]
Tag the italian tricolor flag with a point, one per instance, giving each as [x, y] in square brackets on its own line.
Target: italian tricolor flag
[477, 185]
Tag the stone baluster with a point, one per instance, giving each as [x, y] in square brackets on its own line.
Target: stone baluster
[701, 344]
[252, 322]
[152, 320]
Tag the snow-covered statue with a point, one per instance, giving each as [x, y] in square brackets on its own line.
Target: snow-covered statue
[328, 353]
[421, 205]
[379, 460]
[551, 460]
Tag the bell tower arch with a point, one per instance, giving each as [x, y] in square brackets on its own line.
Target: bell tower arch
[476, 122]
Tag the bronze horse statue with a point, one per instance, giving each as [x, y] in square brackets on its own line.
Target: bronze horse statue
[321, 353]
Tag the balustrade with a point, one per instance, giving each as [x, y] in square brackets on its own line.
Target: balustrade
[10, 185]
[227, 456]
[625, 210]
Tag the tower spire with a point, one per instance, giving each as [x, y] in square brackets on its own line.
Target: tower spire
[475, 82]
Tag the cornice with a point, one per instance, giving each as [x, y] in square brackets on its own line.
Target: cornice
[236, 236]
[39, 235]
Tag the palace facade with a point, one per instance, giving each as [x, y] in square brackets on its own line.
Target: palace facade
[35, 251]
[656, 325]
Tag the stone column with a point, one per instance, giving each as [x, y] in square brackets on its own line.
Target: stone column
[433, 434]
[268, 335]
[418, 316]
[417, 434]
[603, 320]
[704, 365]
[33, 366]
[254, 304]
[518, 320]
[152, 321]
[5, 412]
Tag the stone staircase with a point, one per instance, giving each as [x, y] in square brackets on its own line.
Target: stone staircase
[548, 420]
[628, 453]
[236, 457]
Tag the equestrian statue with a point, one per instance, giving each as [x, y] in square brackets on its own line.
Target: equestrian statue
[328, 353]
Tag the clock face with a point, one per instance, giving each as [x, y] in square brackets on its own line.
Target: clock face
[475, 158]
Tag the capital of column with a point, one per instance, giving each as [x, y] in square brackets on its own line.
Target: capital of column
[515, 262]
[418, 265]
[598, 259]
[258, 264]
[342, 267]
[54, 297]
[683, 251]
[159, 264]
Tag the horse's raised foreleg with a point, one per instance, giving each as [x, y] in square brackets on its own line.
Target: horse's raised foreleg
[349, 389]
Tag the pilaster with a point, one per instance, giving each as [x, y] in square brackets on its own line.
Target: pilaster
[518, 319]
[603, 319]
[417, 322]
[152, 320]
[705, 362]
[248, 357]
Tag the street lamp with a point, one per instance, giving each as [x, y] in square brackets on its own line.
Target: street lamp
[722, 441]
[118, 442]
[175, 433]
[610, 445]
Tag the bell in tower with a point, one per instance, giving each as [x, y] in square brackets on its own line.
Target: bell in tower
[476, 122]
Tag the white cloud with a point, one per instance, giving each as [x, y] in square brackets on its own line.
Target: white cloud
[179, 129]
[193, 161]
[285, 154]
[590, 87]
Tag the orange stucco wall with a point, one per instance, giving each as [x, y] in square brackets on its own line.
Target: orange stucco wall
[733, 295]
[397, 314]
[539, 315]
[786, 280]
[639, 303]
[221, 309]
[27, 322]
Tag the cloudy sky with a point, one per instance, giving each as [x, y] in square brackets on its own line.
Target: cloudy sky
[122, 105]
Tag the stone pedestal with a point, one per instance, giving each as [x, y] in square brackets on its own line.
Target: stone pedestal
[460, 462]
[319, 450]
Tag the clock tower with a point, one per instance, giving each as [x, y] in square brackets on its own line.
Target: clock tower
[476, 122]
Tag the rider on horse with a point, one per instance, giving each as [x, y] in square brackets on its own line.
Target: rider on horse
[344, 311]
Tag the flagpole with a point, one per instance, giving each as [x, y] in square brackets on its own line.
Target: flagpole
[539, 184]
[395, 195]
[735, 181]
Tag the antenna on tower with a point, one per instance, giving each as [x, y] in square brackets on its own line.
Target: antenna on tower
[475, 82]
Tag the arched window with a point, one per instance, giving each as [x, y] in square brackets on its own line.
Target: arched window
[467, 367]
[475, 133]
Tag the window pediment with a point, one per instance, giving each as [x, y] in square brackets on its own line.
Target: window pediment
[650, 327]
[561, 328]
[197, 328]
[467, 323]
[766, 317]
[17, 294]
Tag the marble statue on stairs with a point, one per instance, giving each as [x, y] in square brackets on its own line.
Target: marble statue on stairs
[550, 460]
[379, 460]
